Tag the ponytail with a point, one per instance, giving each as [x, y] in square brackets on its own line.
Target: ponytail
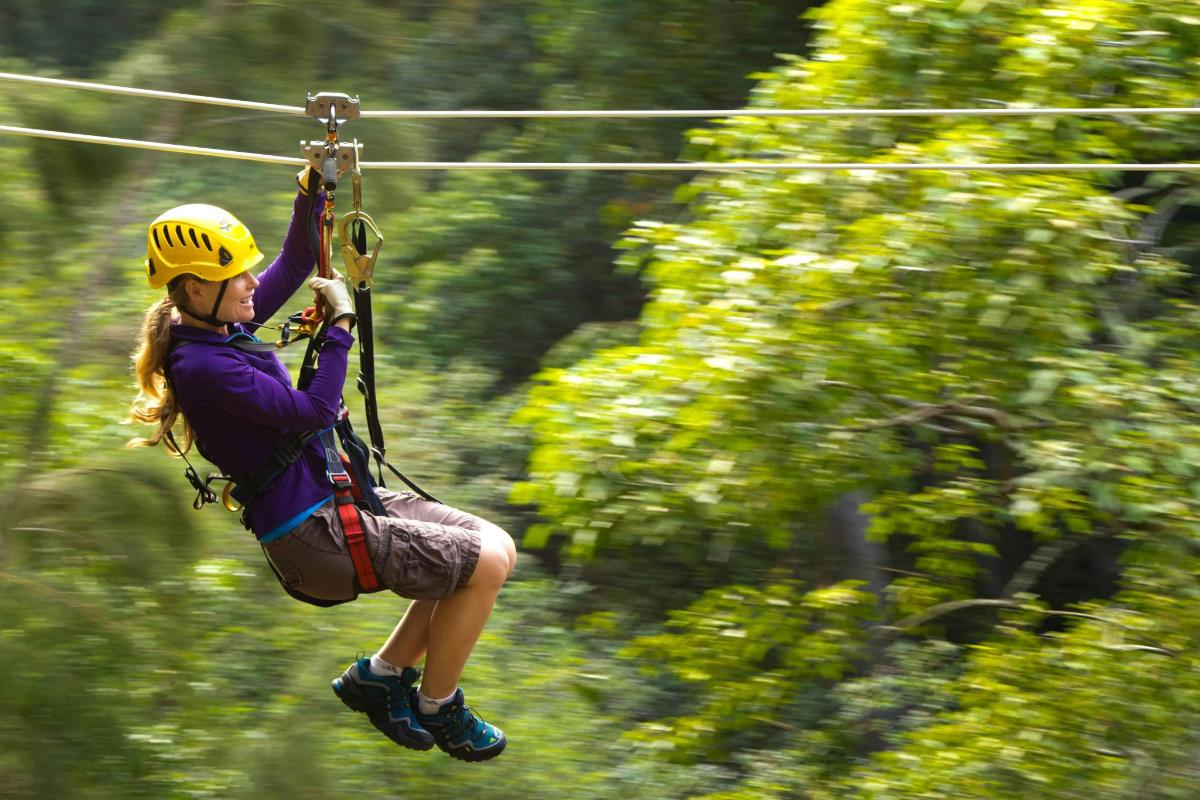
[156, 403]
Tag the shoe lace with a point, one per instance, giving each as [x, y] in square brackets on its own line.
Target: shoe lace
[397, 699]
[463, 719]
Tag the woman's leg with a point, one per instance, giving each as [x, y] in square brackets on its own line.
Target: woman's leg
[458, 620]
[449, 628]
[445, 630]
[408, 642]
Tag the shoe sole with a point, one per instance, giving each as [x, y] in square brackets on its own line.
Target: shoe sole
[475, 756]
[355, 700]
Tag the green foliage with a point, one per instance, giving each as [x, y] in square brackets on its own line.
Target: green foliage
[78, 34]
[147, 651]
[489, 244]
[743, 652]
[1001, 364]
[810, 333]
[167, 672]
[984, 355]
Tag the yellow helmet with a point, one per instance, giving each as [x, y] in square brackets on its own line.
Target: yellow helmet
[201, 240]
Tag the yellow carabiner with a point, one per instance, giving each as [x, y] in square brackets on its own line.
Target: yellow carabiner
[361, 267]
[229, 503]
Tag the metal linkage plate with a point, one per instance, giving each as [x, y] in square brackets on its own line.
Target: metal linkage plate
[326, 104]
[315, 153]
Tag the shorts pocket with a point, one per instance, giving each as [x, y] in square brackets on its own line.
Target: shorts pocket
[312, 558]
[321, 531]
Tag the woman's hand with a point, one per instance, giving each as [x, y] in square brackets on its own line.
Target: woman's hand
[304, 179]
[310, 176]
[337, 299]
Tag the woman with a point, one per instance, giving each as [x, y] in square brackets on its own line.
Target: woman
[236, 406]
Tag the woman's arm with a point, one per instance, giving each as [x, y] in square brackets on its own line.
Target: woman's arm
[238, 388]
[292, 266]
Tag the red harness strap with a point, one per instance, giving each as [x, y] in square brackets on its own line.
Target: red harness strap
[344, 495]
[352, 529]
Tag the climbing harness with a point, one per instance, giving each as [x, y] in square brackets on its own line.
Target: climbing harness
[349, 474]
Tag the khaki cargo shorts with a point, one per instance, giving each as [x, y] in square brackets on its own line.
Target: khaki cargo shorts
[421, 550]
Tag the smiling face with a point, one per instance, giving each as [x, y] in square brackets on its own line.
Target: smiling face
[236, 306]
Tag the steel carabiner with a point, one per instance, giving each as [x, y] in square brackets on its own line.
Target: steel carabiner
[361, 266]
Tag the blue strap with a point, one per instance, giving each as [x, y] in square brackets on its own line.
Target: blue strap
[333, 461]
[249, 343]
[289, 524]
[242, 335]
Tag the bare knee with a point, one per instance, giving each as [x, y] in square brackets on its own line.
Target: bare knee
[510, 550]
[492, 569]
[499, 538]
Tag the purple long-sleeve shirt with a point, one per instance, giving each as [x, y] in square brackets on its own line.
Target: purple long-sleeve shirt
[241, 404]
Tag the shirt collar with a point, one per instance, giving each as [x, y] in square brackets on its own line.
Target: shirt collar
[189, 334]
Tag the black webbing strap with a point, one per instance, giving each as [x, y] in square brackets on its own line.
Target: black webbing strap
[366, 354]
[308, 367]
[287, 451]
[366, 377]
[360, 465]
[407, 482]
[204, 492]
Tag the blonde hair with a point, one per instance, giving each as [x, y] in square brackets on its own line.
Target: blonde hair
[156, 403]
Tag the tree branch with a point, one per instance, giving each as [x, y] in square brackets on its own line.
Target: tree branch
[66, 599]
[1033, 567]
[925, 412]
[916, 620]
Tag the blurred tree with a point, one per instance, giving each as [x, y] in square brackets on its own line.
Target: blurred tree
[78, 35]
[486, 244]
[1001, 363]
[147, 654]
[985, 355]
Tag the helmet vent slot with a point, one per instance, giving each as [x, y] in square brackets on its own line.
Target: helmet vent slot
[179, 235]
[207, 244]
[195, 241]
[167, 233]
[157, 243]
[150, 266]
[226, 257]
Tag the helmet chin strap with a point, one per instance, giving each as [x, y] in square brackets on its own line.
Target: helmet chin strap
[211, 318]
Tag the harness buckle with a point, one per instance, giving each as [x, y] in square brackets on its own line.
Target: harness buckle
[287, 450]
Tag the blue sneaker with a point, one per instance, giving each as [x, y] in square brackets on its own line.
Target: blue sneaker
[461, 732]
[386, 700]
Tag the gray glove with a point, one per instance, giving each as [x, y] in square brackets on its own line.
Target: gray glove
[337, 299]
